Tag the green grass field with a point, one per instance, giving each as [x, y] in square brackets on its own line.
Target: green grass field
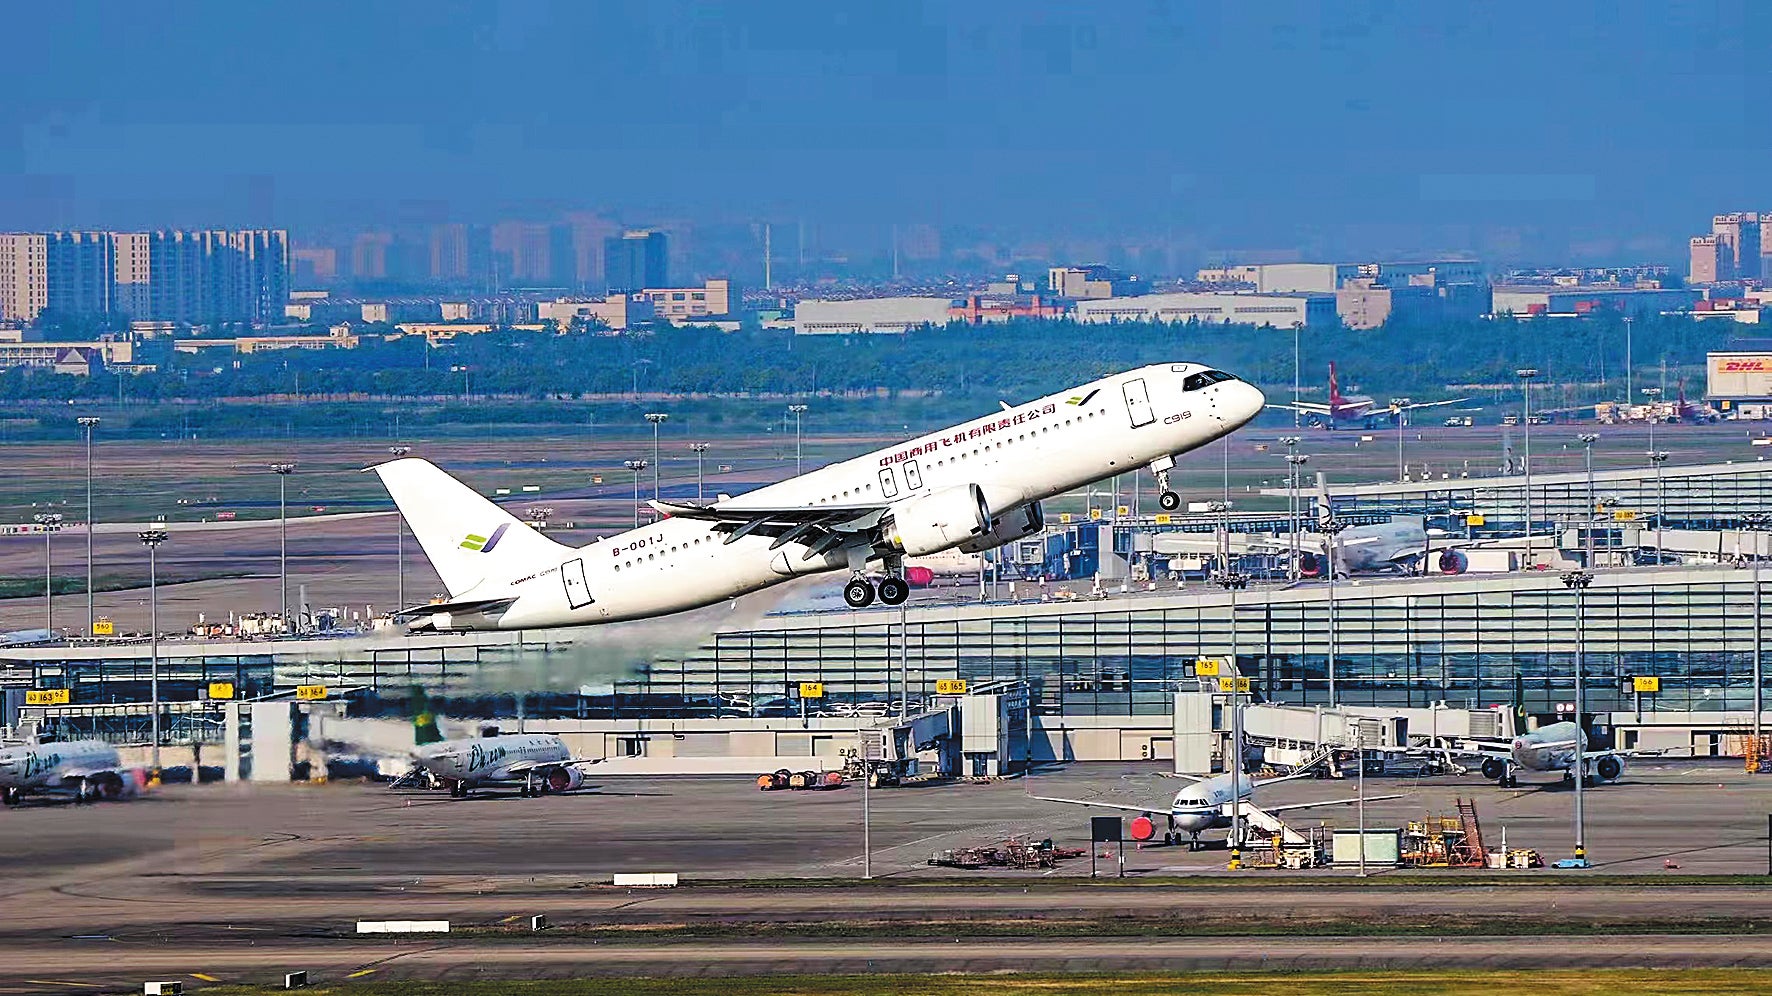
[1539, 983]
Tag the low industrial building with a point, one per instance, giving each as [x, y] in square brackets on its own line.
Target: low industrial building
[1207, 308]
[25, 349]
[618, 311]
[870, 315]
[712, 298]
[1538, 300]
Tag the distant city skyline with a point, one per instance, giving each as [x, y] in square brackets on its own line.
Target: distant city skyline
[1518, 133]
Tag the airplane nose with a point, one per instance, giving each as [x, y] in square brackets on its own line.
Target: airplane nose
[1244, 402]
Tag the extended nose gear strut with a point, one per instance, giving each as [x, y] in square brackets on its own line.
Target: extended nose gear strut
[1168, 500]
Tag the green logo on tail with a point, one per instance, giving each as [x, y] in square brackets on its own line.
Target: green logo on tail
[424, 722]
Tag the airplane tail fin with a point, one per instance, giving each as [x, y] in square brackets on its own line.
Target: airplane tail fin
[1335, 398]
[424, 722]
[1324, 511]
[466, 537]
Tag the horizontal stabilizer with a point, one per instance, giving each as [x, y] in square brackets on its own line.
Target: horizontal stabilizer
[468, 607]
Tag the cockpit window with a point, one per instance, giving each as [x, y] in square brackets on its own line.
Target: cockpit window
[1205, 378]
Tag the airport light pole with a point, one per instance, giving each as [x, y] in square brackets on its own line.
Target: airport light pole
[700, 450]
[1398, 407]
[1578, 581]
[1360, 745]
[1628, 376]
[283, 470]
[1294, 461]
[1757, 522]
[398, 452]
[1333, 527]
[1230, 582]
[657, 419]
[1526, 374]
[1295, 383]
[50, 522]
[1588, 439]
[799, 439]
[462, 368]
[1656, 459]
[152, 538]
[89, 422]
[636, 466]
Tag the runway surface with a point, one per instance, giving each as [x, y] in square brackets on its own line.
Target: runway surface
[94, 962]
[242, 884]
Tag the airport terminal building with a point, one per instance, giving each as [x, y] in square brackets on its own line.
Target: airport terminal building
[1471, 641]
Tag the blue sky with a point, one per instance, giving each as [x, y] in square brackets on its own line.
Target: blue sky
[1606, 130]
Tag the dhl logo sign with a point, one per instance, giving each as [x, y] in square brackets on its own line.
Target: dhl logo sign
[1760, 365]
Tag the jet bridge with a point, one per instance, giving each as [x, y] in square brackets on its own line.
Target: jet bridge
[982, 732]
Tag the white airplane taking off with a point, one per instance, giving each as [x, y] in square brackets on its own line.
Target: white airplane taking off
[974, 487]
[85, 770]
[1206, 805]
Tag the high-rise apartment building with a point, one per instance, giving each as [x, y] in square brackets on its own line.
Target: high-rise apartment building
[203, 277]
[634, 261]
[1738, 242]
[1707, 264]
[66, 273]
[461, 255]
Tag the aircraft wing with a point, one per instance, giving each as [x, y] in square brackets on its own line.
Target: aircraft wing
[1472, 748]
[1152, 810]
[821, 527]
[1196, 779]
[525, 767]
[1325, 802]
[76, 774]
[1302, 406]
[1432, 404]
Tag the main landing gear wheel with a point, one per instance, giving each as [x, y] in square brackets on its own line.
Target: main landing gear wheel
[859, 593]
[1169, 501]
[893, 591]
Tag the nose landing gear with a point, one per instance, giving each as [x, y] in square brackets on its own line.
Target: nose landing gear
[1169, 501]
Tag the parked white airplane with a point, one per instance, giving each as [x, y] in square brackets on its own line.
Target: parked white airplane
[1548, 748]
[86, 770]
[536, 763]
[1206, 805]
[974, 487]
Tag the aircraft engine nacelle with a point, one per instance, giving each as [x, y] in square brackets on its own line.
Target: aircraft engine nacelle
[1453, 562]
[1494, 768]
[1609, 768]
[940, 520]
[1310, 564]
[1022, 520]
[565, 779]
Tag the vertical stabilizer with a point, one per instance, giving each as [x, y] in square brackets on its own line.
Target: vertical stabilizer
[467, 538]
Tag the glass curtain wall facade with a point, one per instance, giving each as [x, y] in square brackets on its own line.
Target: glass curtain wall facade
[1697, 497]
[1475, 642]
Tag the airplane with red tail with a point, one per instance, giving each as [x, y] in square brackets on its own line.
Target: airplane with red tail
[1358, 412]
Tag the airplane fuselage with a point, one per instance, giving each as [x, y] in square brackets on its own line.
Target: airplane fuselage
[1200, 806]
[482, 760]
[1548, 748]
[1018, 456]
[81, 767]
